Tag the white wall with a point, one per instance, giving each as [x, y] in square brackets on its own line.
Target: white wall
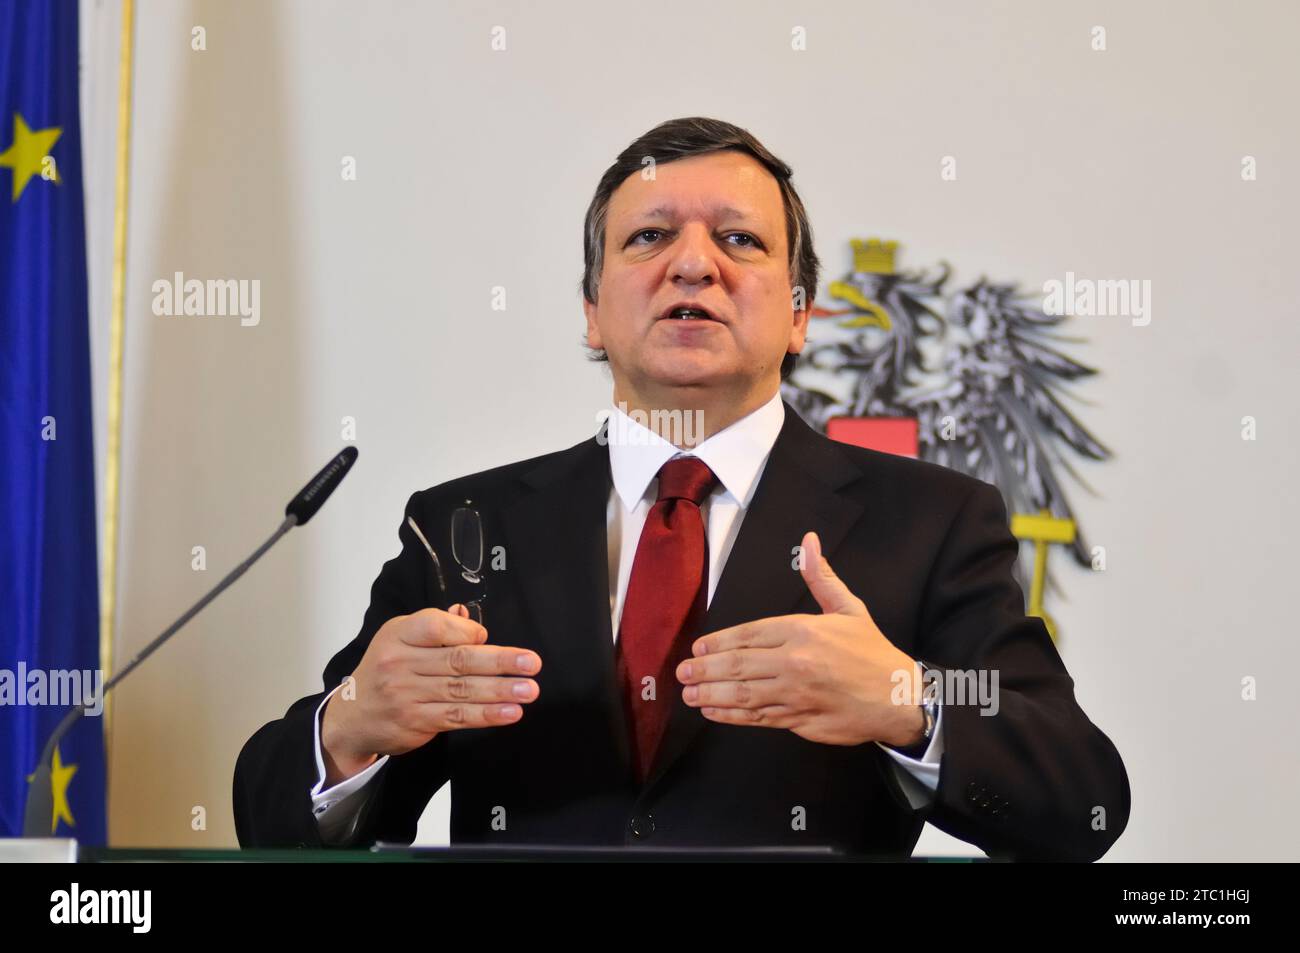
[474, 170]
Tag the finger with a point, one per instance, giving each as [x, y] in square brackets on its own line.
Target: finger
[758, 693]
[450, 716]
[827, 588]
[735, 665]
[772, 716]
[434, 627]
[476, 689]
[477, 660]
[760, 633]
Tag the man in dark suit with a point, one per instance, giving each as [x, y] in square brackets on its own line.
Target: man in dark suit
[640, 640]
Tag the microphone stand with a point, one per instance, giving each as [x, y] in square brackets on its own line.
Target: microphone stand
[40, 794]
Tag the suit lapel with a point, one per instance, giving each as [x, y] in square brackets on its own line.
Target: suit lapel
[556, 546]
[797, 492]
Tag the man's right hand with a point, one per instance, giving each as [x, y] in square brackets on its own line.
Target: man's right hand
[423, 673]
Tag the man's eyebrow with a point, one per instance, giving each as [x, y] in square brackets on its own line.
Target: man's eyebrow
[668, 211]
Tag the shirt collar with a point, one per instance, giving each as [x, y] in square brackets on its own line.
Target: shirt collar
[735, 454]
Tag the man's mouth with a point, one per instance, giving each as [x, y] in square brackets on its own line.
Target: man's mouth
[687, 313]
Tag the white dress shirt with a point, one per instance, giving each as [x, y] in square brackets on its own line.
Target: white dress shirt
[737, 455]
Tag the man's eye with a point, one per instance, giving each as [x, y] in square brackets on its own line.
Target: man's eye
[656, 233]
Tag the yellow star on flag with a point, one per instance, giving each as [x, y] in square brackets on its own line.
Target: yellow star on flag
[27, 154]
[60, 778]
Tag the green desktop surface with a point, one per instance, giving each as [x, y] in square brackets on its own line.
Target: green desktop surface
[481, 854]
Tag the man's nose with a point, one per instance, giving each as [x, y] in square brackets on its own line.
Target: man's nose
[694, 255]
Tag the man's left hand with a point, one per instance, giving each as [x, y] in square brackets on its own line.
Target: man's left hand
[832, 678]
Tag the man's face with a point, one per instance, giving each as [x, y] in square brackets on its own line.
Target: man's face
[706, 232]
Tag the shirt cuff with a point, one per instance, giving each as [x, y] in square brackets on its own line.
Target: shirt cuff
[919, 777]
[337, 809]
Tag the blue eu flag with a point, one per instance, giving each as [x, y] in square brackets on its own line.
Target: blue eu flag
[49, 607]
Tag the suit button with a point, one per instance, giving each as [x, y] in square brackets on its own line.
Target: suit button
[642, 826]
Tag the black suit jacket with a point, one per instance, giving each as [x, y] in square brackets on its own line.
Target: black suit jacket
[928, 550]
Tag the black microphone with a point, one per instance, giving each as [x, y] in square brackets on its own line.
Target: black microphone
[309, 499]
[40, 794]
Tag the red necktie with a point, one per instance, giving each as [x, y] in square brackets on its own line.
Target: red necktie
[665, 602]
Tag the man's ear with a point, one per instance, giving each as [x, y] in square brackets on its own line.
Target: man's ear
[593, 332]
[799, 328]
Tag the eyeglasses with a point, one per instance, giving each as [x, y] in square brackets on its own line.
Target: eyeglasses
[466, 548]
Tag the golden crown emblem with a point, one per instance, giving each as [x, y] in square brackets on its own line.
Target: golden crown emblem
[874, 256]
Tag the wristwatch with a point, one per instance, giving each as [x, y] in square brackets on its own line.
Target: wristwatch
[930, 700]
